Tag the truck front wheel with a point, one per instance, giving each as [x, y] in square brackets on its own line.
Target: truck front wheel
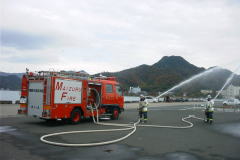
[75, 116]
[115, 114]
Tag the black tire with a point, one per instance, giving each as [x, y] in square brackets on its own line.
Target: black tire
[76, 115]
[115, 114]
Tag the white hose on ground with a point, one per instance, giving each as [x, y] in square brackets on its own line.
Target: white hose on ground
[132, 127]
[174, 127]
[129, 126]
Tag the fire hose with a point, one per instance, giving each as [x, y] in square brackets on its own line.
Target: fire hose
[132, 127]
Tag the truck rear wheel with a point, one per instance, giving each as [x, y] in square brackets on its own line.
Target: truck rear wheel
[115, 114]
[76, 116]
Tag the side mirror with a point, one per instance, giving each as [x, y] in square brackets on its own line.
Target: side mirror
[88, 91]
[123, 90]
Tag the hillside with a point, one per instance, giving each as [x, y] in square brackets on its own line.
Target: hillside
[168, 72]
[159, 76]
[11, 82]
[11, 74]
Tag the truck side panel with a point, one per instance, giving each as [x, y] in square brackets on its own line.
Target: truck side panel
[67, 94]
[67, 91]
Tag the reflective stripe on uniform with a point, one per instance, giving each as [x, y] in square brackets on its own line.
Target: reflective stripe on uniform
[144, 109]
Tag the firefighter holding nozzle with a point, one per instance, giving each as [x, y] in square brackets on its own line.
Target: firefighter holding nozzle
[142, 108]
[209, 110]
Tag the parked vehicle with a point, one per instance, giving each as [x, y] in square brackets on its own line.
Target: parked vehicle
[180, 99]
[232, 101]
[161, 99]
[73, 96]
[151, 99]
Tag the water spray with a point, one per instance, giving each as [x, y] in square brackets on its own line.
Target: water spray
[190, 79]
[227, 82]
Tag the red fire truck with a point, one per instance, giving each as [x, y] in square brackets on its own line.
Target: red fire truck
[69, 95]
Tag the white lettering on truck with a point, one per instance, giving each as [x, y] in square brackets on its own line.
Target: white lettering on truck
[67, 91]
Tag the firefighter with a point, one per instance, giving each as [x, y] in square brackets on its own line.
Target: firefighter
[209, 110]
[143, 109]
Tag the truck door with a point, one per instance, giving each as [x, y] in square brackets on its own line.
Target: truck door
[110, 98]
[35, 98]
[119, 96]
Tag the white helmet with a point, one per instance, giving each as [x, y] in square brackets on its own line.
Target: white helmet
[141, 95]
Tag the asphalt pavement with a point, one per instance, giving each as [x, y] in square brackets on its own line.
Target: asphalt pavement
[20, 137]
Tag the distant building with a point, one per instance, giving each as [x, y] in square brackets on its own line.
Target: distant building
[205, 91]
[231, 92]
[135, 90]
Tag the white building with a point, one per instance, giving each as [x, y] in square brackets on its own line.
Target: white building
[135, 90]
[205, 91]
[231, 92]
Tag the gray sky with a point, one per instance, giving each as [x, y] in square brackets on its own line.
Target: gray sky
[112, 35]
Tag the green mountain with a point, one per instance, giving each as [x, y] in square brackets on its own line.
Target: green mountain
[168, 72]
[159, 76]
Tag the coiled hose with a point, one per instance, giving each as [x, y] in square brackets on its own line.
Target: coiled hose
[132, 127]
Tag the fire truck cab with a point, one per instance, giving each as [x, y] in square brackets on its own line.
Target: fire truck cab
[69, 95]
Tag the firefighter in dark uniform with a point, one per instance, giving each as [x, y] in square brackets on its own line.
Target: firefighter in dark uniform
[143, 109]
[209, 110]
